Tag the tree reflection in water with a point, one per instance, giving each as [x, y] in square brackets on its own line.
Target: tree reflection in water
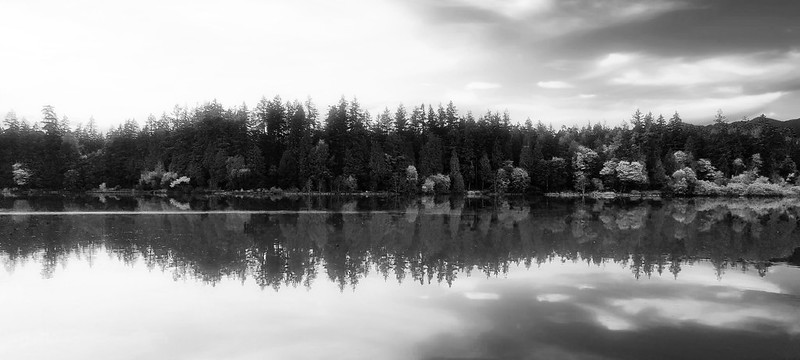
[421, 240]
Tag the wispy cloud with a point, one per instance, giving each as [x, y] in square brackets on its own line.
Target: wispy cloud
[555, 84]
[649, 71]
[480, 85]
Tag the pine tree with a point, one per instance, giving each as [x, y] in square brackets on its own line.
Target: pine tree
[456, 180]
[430, 158]
[486, 174]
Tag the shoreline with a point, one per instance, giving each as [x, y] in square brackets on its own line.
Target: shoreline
[606, 195]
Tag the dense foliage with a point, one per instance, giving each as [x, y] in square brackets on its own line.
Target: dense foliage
[292, 146]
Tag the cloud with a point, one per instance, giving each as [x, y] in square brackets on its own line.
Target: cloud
[615, 59]
[650, 71]
[480, 85]
[537, 19]
[555, 85]
[514, 9]
[704, 108]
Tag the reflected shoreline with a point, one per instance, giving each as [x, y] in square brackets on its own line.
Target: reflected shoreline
[422, 240]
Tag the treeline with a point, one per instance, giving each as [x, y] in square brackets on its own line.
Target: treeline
[426, 148]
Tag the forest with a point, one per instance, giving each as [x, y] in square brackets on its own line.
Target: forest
[419, 149]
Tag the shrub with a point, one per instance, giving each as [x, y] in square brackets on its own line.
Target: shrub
[72, 180]
[598, 184]
[411, 174]
[149, 179]
[681, 158]
[21, 174]
[428, 185]
[680, 186]
[436, 184]
[747, 178]
[183, 180]
[764, 189]
[734, 189]
[167, 178]
[520, 180]
[501, 181]
[350, 183]
[683, 181]
[708, 188]
[633, 173]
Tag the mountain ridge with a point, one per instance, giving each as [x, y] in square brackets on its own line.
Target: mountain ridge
[763, 120]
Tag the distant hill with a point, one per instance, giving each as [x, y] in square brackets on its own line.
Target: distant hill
[793, 124]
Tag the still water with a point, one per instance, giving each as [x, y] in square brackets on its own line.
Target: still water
[371, 278]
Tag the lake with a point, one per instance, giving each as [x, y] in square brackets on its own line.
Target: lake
[90, 277]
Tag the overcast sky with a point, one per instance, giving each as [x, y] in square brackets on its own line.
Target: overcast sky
[561, 62]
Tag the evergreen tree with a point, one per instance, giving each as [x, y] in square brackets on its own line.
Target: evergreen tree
[430, 158]
[456, 180]
[486, 174]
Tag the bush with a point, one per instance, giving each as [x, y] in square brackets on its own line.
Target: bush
[734, 189]
[350, 183]
[167, 178]
[21, 174]
[520, 181]
[764, 189]
[179, 182]
[72, 180]
[598, 184]
[438, 184]
[149, 179]
[683, 181]
[679, 186]
[747, 178]
[428, 185]
[501, 181]
[633, 173]
[708, 188]
[411, 174]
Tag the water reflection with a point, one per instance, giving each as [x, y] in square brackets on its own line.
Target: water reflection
[566, 280]
[414, 240]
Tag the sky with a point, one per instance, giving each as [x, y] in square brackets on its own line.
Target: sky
[567, 62]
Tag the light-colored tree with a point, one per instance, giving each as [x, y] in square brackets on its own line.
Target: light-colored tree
[21, 174]
[632, 172]
[683, 181]
[411, 174]
[738, 165]
[183, 180]
[520, 180]
[705, 170]
[720, 118]
[437, 183]
[756, 163]
[609, 173]
[681, 158]
[582, 162]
